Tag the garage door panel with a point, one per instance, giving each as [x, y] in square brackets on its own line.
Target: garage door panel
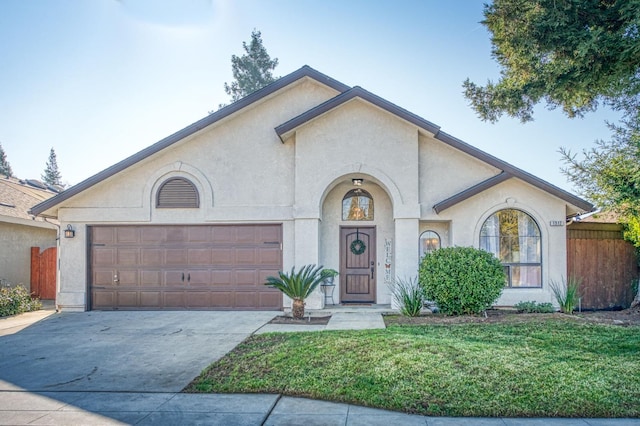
[175, 256]
[104, 256]
[245, 256]
[128, 277]
[199, 277]
[246, 277]
[128, 256]
[222, 257]
[127, 235]
[184, 267]
[150, 278]
[200, 256]
[174, 299]
[150, 299]
[127, 299]
[103, 277]
[221, 277]
[151, 256]
[201, 299]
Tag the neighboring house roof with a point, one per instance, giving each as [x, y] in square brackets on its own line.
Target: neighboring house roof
[284, 130]
[17, 197]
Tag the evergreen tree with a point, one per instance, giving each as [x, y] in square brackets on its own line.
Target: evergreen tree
[52, 174]
[251, 71]
[569, 54]
[5, 167]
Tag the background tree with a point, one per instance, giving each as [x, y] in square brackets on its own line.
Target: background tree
[570, 54]
[251, 71]
[52, 174]
[5, 167]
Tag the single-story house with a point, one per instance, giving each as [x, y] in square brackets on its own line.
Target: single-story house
[306, 170]
[20, 230]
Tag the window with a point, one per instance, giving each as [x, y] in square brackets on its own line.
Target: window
[514, 237]
[357, 204]
[177, 193]
[429, 241]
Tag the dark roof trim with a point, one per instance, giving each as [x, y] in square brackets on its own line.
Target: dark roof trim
[470, 192]
[342, 98]
[514, 171]
[305, 71]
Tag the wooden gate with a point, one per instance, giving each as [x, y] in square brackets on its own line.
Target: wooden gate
[606, 264]
[43, 272]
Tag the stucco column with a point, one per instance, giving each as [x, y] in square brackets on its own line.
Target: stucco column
[307, 252]
[406, 248]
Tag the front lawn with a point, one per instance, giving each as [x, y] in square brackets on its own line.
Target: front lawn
[538, 367]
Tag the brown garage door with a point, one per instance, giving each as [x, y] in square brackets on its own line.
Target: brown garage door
[184, 267]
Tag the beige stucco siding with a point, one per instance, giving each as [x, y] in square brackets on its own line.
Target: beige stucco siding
[446, 171]
[15, 250]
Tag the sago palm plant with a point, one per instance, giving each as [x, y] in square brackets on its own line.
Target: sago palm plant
[297, 285]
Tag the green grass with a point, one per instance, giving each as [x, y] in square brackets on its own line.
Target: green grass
[538, 368]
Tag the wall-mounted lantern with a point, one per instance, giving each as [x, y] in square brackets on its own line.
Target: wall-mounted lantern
[69, 232]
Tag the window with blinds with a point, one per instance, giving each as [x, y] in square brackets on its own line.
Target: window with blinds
[177, 193]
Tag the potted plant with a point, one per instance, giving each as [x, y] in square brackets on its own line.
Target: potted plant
[328, 275]
[297, 285]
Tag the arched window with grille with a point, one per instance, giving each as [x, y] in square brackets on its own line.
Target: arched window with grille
[357, 205]
[514, 237]
[177, 192]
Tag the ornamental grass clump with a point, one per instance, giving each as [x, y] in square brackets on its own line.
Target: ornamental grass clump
[461, 280]
[17, 300]
[408, 295]
[297, 285]
[566, 293]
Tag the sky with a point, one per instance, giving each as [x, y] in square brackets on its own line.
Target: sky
[100, 80]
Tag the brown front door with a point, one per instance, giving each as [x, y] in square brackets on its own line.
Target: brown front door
[358, 264]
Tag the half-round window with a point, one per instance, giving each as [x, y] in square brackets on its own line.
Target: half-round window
[357, 204]
[514, 238]
[177, 192]
[429, 241]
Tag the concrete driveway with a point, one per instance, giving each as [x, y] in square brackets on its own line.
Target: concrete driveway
[120, 351]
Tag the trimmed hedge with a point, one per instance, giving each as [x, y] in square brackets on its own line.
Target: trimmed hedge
[461, 280]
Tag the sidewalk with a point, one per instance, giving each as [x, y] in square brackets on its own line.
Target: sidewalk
[113, 408]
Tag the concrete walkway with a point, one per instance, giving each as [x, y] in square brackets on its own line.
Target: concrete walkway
[24, 401]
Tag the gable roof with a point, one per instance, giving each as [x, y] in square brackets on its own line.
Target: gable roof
[17, 197]
[286, 129]
[506, 170]
[305, 71]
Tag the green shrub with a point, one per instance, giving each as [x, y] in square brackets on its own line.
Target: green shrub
[408, 295]
[16, 300]
[535, 307]
[566, 293]
[461, 280]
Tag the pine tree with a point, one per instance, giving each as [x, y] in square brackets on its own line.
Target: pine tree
[52, 174]
[5, 167]
[252, 71]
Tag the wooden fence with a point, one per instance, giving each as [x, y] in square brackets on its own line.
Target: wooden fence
[43, 272]
[606, 264]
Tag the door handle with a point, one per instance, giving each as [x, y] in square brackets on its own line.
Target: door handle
[372, 272]
[116, 279]
[189, 277]
[183, 277]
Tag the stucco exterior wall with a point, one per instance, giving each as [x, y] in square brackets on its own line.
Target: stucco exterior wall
[15, 250]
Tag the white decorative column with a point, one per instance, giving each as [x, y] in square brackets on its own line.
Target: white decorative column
[307, 245]
[406, 247]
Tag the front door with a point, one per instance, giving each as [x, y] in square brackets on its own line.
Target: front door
[358, 264]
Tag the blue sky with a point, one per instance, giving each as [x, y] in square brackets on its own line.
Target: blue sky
[100, 80]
